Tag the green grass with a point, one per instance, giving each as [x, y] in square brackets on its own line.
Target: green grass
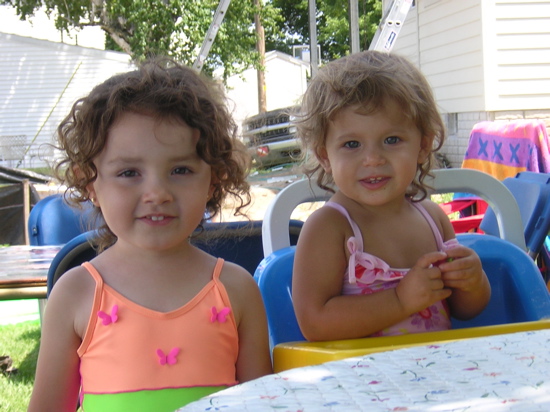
[20, 341]
[442, 198]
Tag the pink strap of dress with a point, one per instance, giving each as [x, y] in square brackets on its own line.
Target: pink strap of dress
[377, 269]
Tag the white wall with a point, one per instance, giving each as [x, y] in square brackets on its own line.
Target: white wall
[443, 37]
[451, 54]
[40, 82]
[481, 55]
[40, 26]
[518, 69]
[485, 59]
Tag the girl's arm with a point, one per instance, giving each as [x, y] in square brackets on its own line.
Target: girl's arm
[319, 267]
[57, 381]
[462, 273]
[254, 358]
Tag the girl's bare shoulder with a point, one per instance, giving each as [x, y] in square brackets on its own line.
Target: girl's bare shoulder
[241, 288]
[237, 280]
[75, 283]
[440, 218]
[326, 217]
[73, 295]
[433, 208]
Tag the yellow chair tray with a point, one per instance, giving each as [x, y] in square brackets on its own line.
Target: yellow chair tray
[297, 354]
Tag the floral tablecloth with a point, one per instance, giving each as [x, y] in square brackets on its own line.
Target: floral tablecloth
[497, 373]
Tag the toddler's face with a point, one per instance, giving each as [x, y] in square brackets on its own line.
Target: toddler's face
[151, 186]
[374, 157]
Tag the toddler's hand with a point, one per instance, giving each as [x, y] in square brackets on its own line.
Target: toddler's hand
[462, 269]
[423, 286]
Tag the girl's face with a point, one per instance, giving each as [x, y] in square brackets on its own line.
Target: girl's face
[151, 186]
[373, 158]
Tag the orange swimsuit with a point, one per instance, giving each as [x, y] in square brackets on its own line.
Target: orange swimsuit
[136, 359]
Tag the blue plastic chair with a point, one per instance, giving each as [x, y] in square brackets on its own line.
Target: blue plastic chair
[54, 222]
[75, 252]
[518, 291]
[519, 294]
[532, 193]
[239, 242]
[274, 278]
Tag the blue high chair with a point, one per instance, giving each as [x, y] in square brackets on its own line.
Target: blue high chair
[532, 193]
[52, 221]
[518, 293]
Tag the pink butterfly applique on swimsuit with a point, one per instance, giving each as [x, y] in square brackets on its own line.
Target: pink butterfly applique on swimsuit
[108, 319]
[220, 316]
[169, 359]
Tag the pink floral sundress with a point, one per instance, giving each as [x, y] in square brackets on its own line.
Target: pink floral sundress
[368, 274]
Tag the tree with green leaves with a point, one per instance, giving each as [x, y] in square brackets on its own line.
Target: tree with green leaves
[178, 28]
[333, 31]
[175, 28]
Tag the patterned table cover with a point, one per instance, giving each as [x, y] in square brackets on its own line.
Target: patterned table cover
[497, 373]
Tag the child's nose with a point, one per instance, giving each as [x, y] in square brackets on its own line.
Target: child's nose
[157, 190]
[373, 156]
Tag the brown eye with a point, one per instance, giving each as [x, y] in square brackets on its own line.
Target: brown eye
[353, 144]
[181, 170]
[128, 173]
[392, 140]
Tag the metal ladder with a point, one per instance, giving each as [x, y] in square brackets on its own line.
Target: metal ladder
[390, 25]
[211, 34]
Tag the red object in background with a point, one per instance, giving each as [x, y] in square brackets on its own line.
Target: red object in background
[472, 211]
[262, 151]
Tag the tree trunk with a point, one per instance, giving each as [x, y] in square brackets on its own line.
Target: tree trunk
[260, 46]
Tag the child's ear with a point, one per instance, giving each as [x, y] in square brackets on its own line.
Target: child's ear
[425, 149]
[92, 195]
[213, 183]
[89, 187]
[323, 159]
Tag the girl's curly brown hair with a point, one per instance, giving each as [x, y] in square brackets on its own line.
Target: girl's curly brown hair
[368, 79]
[164, 89]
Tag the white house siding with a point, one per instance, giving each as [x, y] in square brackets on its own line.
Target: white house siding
[451, 53]
[485, 60]
[40, 81]
[521, 68]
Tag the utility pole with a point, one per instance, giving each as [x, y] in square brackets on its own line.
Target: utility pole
[354, 26]
[314, 57]
[260, 46]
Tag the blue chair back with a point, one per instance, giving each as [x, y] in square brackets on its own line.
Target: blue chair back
[75, 252]
[239, 242]
[532, 193]
[54, 222]
[518, 291]
[274, 278]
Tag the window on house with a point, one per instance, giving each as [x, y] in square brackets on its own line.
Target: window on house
[451, 122]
